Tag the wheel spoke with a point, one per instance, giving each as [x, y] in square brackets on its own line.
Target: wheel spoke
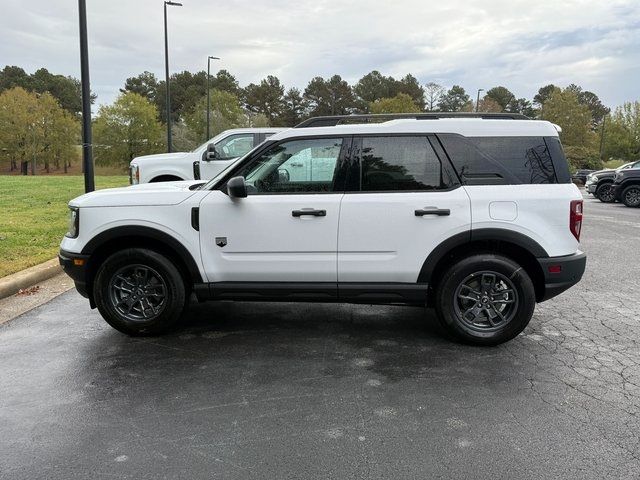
[488, 281]
[473, 311]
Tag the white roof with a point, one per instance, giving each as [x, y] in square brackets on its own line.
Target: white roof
[469, 127]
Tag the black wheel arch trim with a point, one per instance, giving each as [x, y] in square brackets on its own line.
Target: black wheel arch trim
[140, 231]
[460, 239]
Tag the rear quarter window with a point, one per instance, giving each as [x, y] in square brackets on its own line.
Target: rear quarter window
[506, 160]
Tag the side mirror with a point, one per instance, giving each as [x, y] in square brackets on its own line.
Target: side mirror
[211, 153]
[236, 188]
[283, 176]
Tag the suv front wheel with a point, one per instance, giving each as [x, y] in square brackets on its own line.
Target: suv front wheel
[485, 299]
[605, 193]
[139, 292]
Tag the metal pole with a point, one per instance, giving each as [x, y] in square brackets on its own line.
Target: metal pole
[209, 58]
[478, 98]
[604, 120]
[166, 71]
[208, 99]
[87, 160]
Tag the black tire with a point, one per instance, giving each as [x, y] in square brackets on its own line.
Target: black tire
[605, 193]
[631, 196]
[145, 283]
[454, 300]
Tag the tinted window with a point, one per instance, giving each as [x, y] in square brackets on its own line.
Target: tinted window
[295, 166]
[502, 160]
[399, 163]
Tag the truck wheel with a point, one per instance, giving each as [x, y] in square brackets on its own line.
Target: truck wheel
[631, 196]
[605, 193]
[139, 292]
[485, 299]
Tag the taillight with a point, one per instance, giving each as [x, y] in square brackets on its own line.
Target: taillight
[575, 218]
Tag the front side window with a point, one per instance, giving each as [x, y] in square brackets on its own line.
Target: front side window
[297, 166]
[406, 163]
[234, 146]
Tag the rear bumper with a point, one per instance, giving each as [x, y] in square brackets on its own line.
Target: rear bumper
[561, 273]
[75, 265]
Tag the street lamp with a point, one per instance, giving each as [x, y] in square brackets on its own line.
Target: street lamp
[209, 58]
[87, 158]
[166, 68]
[478, 98]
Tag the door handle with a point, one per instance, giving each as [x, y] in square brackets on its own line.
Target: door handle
[441, 212]
[309, 211]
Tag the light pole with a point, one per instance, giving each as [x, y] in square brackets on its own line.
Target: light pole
[209, 58]
[478, 98]
[87, 160]
[166, 69]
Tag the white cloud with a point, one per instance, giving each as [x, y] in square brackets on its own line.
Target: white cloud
[477, 44]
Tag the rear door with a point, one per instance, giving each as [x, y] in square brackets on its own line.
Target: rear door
[402, 200]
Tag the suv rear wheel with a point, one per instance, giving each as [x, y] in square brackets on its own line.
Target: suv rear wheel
[631, 196]
[139, 292]
[605, 193]
[485, 299]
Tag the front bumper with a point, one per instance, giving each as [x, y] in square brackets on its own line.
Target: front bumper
[591, 187]
[561, 273]
[75, 265]
[617, 191]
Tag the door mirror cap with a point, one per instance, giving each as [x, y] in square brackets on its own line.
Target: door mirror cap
[211, 153]
[236, 187]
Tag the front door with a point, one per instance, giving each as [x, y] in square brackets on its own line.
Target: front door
[286, 229]
[401, 202]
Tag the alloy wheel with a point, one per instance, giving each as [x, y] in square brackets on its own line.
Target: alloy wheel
[138, 292]
[486, 301]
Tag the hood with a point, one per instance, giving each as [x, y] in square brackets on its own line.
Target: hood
[159, 157]
[147, 194]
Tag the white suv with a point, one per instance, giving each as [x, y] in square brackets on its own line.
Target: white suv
[204, 162]
[474, 215]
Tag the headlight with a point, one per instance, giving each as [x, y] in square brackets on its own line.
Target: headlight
[74, 222]
[134, 174]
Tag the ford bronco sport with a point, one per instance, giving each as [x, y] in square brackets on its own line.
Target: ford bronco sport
[474, 215]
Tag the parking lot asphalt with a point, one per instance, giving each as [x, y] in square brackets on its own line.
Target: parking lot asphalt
[260, 391]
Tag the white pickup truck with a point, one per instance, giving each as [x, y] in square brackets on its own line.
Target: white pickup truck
[204, 162]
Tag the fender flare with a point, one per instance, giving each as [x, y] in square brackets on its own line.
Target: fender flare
[146, 232]
[460, 239]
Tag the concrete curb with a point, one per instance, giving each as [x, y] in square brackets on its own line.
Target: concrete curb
[11, 284]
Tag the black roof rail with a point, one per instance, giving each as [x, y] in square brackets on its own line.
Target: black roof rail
[333, 120]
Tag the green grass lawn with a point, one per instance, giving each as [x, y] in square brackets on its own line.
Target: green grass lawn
[33, 216]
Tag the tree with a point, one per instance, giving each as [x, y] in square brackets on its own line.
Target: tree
[433, 92]
[487, 105]
[598, 110]
[374, 86]
[501, 95]
[622, 132]
[294, 108]
[563, 108]
[126, 129]
[265, 98]
[145, 84]
[330, 97]
[521, 105]
[224, 81]
[66, 90]
[186, 90]
[401, 103]
[454, 100]
[543, 94]
[409, 85]
[226, 113]
[35, 129]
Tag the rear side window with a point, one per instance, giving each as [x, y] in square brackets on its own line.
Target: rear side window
[504, 160]
[406, 163]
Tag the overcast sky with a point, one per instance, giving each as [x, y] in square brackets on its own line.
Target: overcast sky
[521, 44]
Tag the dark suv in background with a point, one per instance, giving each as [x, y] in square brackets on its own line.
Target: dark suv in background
[600, 183]
[626, 186]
